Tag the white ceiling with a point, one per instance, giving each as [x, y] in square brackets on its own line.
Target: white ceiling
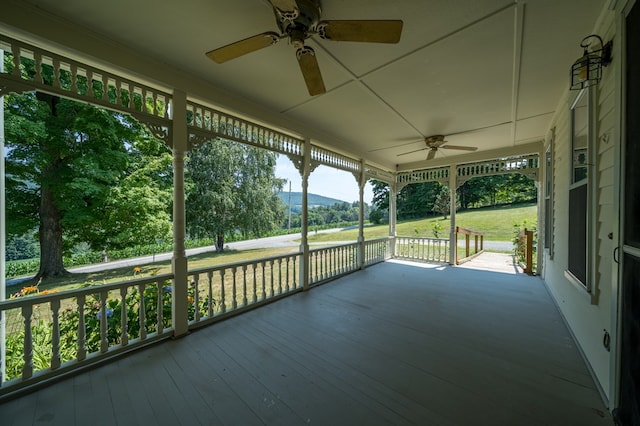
[493, 69]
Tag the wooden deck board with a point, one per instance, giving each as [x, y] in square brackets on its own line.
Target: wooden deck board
[397, 343]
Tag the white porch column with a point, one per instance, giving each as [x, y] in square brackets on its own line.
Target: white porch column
[304, 219]
[179, 305]
[453, 241]
[3, 248]
[393, 211]
[361, 182]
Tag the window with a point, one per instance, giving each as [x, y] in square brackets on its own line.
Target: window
[579, 188]
[548, 194]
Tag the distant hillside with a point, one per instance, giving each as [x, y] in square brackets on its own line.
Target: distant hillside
[314, 200]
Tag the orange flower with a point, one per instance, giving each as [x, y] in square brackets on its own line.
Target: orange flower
[55, 290]
[137, 269]
[190, 299]
[30, 289]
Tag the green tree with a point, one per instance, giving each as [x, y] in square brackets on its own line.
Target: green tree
[233, 188]
[442, 202]
[63, 158]
[138, 209]
[380, 195]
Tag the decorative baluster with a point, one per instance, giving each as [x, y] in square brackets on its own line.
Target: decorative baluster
[155, 105]
[73, 70]
[105, 88]
[55, 334]
[295, 275]
[90, 92]
[124, 335]
[271, 277]
[159, 307]
[210, 304]
[38, 64]
[56, 74]
[279, 275]
[229, 126]
[234, 300]
[196, 297]
[264, 281]
[132, 97]
[119, 100]
[142, 313]
[223, 305]
[104, 339]
[255, 284]
[15, 51]
[316, 270]
[324, 265]
[244, 285]
[145, 107]
[27, 356]
[82, 330]
[287, 277]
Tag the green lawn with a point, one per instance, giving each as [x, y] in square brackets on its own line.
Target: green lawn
[496, 223]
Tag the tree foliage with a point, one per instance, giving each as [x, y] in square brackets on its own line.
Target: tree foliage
[232, 188]
[421, 199]
[70, 171]
[325, 215]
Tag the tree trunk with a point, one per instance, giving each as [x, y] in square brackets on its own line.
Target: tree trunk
[220, 243]
[50, 237]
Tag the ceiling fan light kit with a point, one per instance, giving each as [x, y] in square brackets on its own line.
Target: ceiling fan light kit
[300, 19]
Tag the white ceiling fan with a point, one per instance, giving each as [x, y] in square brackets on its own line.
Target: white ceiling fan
[298, 20]
[436, 142]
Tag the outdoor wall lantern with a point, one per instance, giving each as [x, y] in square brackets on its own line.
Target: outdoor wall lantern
[587, 70]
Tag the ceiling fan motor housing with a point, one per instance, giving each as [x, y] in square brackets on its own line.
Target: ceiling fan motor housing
[298, 29]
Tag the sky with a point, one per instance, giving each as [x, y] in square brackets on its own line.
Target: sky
[324, 180]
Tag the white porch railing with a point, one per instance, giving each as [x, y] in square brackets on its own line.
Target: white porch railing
[376, 251]
[422, 249]
[49, 335]
[328, 263]
[225, 290]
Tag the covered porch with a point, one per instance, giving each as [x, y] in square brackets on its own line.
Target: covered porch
[397, 343]
[392, 343]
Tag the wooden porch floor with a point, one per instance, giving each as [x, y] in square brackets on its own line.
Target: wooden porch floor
[399, 343]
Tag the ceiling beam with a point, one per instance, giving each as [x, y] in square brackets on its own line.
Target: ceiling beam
[518, 29]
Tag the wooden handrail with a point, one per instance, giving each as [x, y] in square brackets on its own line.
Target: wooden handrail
[468, 233]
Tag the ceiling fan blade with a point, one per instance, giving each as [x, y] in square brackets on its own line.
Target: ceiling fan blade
[432, 154]
[371, 31]
[310, 70]
[463, 148]
[411, 152]
[242, 47]
[288, 8]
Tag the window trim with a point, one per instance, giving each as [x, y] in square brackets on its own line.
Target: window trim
[549, 189]
[591, 117]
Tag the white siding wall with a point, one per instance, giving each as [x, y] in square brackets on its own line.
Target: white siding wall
[588, 317]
